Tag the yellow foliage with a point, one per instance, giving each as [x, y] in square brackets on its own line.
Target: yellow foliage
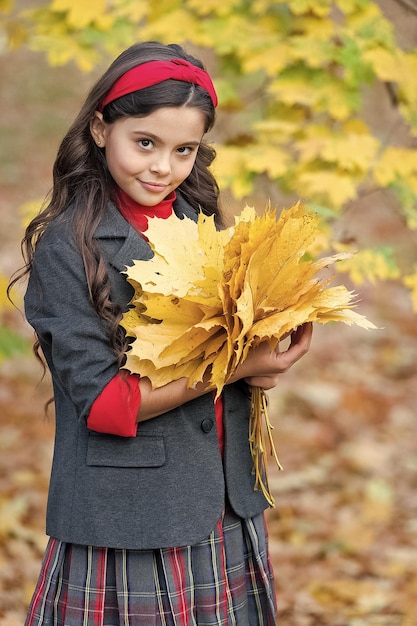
[322, 29]
[267, 157]
[134, 11]
[318, 50]
[367, 15]
[281, 128]
[355, 126]
[367, 265]
[16, 34]
[239, 35]
[161, 8]
[409, 83]
[333, 185]
[80, 13]
[6, 6]
[218, 7]
[350, 151]
[348, 6]
[386, 63]
[230, 170]
[29, 209]
[4, 301]
[329, 95]
[61, 49]
[293, 91]
[298, 68]
[395, 162]
[400, 68]
[320, 8]
[175, 25]
[271, 59]
[333, 98]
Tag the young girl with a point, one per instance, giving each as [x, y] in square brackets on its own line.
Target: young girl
[152, 514]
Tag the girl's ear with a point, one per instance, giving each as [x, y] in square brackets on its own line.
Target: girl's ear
[97, 129]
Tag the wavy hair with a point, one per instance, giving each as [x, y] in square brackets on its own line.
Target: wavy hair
[83, 185]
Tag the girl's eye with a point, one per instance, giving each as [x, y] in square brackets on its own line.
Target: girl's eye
[146, 144]
[185, 150]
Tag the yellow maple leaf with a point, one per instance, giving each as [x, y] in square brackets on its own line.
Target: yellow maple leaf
[218, 7]
[318, 50]
[386, 63]
[395, 162]
[351, 151]
[231, 171]
[282, 127]
[320, 7]
[173, 25]
[265, 157]
[203, 283]
[294, 91]
[368, 265]
[134, 11]
[336, 186]
[207, 296]
[272, 58]
[330, 96]
[80, 13]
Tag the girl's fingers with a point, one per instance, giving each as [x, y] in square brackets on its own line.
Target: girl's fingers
[299, 346]
[263, 366]
[301, 337]
[300, 343]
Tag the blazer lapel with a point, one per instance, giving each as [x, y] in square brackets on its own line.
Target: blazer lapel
[115, 233]
[124, 243]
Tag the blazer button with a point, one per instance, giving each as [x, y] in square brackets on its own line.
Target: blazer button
[207, 425]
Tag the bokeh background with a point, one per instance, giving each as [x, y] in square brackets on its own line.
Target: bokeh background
[343, 534]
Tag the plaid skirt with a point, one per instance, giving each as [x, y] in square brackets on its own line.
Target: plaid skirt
[226, 579]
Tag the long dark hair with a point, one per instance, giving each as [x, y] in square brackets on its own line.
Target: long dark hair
[83, 183]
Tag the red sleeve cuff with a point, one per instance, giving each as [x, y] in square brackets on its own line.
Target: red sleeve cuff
[218, 408]
[115, 410]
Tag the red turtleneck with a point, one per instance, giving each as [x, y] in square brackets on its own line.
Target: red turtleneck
[115, 410]
[137, 214]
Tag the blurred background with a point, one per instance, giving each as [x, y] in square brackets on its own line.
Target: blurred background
[318, 102]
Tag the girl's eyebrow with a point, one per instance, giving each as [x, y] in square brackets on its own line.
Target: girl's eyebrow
[146, 133]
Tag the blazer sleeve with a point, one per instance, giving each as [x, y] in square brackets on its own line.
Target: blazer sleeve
[71, 334]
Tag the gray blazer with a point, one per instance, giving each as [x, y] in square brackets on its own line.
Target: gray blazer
[168, 485]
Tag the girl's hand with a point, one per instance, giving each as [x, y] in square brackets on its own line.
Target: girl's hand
[263, 366]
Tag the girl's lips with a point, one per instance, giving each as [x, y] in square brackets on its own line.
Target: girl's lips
[154, 187]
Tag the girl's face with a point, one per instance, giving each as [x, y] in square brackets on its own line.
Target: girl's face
[150, 156]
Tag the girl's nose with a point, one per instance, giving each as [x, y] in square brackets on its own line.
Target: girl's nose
[161, 165]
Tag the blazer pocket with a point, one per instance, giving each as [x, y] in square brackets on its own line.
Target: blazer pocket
[140, 451]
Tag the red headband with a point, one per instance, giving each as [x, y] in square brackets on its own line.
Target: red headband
[155, 72]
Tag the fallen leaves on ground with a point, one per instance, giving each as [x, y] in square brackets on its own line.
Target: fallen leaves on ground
[343, 533]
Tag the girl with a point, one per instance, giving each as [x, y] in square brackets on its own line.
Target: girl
[152, 514]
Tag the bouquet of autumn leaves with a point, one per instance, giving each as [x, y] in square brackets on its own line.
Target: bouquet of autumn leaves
[208, 296]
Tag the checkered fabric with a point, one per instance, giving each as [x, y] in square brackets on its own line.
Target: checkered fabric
[225, 580]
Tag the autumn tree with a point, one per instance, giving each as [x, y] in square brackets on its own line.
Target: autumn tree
[293, 80]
